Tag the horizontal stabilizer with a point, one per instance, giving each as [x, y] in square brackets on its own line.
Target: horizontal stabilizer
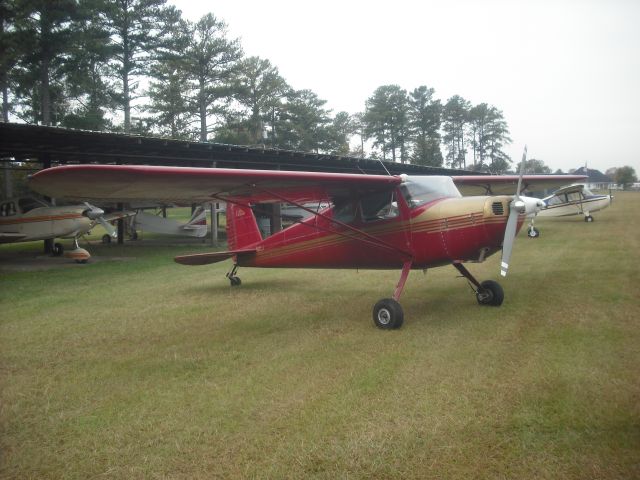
[213, 257]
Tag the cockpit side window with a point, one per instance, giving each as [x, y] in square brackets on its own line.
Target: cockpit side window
[344, 211]
[574, 196]
[379, 206]
[555, 200]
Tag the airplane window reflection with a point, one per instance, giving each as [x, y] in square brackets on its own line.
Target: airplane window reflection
[555, 200]
[344, 212]
[379, 207]
[419, 190]
[30, 203]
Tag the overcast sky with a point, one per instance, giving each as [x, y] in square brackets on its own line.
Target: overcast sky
[566, 74]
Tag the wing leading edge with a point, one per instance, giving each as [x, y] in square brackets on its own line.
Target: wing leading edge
[128, 183]
[507, 184]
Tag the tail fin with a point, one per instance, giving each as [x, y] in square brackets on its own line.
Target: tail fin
[242, 228]
[197, 224]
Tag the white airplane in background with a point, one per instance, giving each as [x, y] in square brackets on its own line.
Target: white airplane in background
[195, 227]
[574, 199]
[28, 219]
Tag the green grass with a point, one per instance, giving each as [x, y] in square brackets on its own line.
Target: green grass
[136, 367]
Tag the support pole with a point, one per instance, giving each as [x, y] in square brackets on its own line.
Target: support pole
[214, 224]
[276, 219]
[8, 181]
[120, 225]
[48, 243]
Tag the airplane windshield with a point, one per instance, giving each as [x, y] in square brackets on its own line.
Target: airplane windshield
[29, 203]
[418, 190]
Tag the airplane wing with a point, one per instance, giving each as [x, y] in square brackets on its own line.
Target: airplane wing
[110, 217]
[507, 184]
[130, 183]
[569, 189]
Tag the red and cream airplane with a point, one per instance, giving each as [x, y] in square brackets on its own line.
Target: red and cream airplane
[374, 221]
[28, 219]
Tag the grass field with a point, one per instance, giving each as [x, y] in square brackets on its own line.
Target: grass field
[136, 367]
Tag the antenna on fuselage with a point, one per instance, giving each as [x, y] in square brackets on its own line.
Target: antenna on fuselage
[385, 168]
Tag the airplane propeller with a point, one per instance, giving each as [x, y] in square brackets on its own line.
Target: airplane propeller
[97, 214]
[517, 206]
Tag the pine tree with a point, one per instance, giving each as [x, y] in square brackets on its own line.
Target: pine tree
[140, 29]
[44, 38]
[211, 61]
[424, 123]
[455, 121]
[386, 121]
[260, 89]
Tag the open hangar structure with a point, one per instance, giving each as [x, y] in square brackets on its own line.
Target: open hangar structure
[42, 147]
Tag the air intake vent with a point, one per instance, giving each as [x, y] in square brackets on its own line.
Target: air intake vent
[498, 208]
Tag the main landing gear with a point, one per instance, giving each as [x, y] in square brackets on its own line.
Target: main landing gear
[233, 279]
[388, 314]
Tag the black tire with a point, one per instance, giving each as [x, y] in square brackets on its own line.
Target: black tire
[533, 232]
[490, 293]
[58, 249]
[106, 239]
[588, 219]
[387, 314]
[235, 281]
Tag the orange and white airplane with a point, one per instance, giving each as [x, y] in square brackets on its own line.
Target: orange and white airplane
[27, 219]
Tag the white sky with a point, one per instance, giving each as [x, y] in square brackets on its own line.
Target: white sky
[565, 73]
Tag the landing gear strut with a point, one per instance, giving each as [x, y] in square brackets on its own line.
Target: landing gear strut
[233, 279]
[487, 292]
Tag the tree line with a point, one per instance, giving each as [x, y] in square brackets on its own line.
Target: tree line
[138, 66]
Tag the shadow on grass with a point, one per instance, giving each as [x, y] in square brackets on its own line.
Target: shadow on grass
[222, 286]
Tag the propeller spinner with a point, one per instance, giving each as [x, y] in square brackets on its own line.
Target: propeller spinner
[97, 214]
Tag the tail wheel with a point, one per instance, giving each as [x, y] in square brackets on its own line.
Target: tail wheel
[490, 293]
[387, 314]
[235, 281]
[588, 218]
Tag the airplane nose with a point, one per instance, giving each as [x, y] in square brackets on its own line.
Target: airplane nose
[532, 205]
[93, 213]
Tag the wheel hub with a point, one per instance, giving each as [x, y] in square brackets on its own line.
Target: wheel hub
[384, 316]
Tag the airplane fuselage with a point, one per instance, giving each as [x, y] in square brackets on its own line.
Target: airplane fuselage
[437, 233]
[44, 222]
[586, 204]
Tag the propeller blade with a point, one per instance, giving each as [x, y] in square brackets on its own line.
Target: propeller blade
[517, 206]
[524, 160]
[507, 244]
[111, 230]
